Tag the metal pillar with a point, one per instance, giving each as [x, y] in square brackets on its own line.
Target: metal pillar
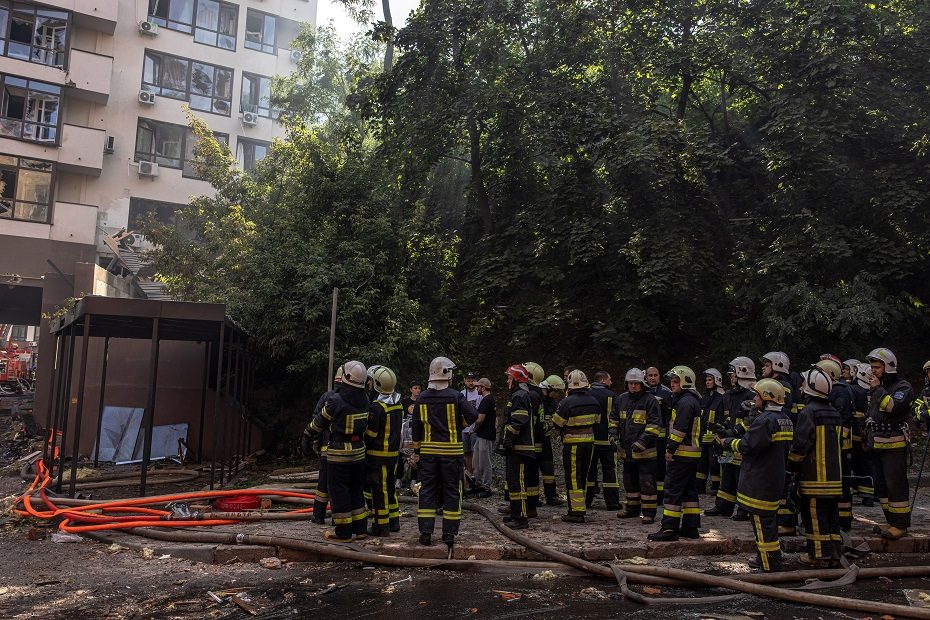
[203, 398]
[79, 409]
[66, 407]
[216, 402]
[56, 376]
[103, 390]
[148, 418]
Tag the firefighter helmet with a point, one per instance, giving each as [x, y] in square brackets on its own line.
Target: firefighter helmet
[354, 373]
[926, 366]
[852, 363]
[831, 368]
[536, 372]
[635, 375]
[577, 380]
[886, 357]
[779, 360]
[830, 356]
[744, 367]
[384, 380]
[440, 369]
[684, 374]
[817, 382]
[372, 369]
[518, 373]
[718, 378]
[863, 375]
[552, 382]
[770, 390]
[339, 372]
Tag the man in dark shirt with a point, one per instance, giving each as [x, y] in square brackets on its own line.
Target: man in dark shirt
[485, 435]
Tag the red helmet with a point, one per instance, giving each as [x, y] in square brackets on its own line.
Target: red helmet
[519, 373]
[830, 356]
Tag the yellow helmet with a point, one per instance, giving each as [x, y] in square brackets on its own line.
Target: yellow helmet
[552, 382]
[685, 376]
[537, 374]
[384, 380]
[770, 390]
[831, 368]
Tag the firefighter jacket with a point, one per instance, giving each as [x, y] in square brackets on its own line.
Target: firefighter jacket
[323, 437]
[860, 410]
[841, 397]
[607, 400]
[665, 398]
[711, 413]
[438, 419]
[792, 404]
[539, 414]
[345, 417]
[735, 409]
[922, 404]
[764, 448]
[637, 424]
[549, 407]
[576, 416]
[889, 408]
[816, 452]
[520, 422]
[385, 419]
[684, 430]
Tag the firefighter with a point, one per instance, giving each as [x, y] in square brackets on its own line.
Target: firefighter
[605, 452]
[575, 419]
[849, 370]
[890, 399]
[518, 444]
[635, 427]
[922, 402]
[861, 460]
[382, 448]
[741, 373]
[816, 459]
[544, 457]
[664, 396]
[711, 411]
[682, 514]
[764, 448]
[841, 397]
[308, 439]
[345, 418]
[553, 388]
[775, 365]
[440, 415]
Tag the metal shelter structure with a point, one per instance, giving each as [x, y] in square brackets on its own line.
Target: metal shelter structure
[228, 367]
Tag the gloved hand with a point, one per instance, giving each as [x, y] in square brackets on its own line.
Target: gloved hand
[306, 442]
[638, 447]
[708, 438]
[613, 442]
[507, 444]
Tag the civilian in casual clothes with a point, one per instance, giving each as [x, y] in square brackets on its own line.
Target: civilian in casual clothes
[406, 444]
[472, 395]
[484, 438]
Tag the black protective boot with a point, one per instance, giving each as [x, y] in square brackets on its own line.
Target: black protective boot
[518, 524]
[426, 539]
[570, 518]
[689, 532]
[378, 530]
[663, 536]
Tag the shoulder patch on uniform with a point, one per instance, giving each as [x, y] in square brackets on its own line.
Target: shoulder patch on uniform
[899, 395]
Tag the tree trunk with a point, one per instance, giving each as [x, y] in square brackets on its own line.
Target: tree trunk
[389, 50]
[477, 177]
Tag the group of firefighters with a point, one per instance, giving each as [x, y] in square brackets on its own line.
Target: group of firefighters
[787, 446]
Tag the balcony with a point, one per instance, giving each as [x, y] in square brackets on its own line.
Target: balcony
[81, 150]
[71, 223]
[99, 15]
[88, 77]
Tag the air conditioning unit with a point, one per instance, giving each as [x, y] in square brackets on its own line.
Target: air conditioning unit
[146, 98]
[250, 119]
[149, 28]
[148, 169]
[296, 56]
[109, 146]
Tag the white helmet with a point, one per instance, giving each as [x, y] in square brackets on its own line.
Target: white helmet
[852, 363]
[383, 379]
[779, 361]
[863, 375]
[354, 373]
[718, 378]
[577, 380]
[817, 382]
[373, 368]
[440, 369]
[635, 375]
[744, 367]
[886, 357]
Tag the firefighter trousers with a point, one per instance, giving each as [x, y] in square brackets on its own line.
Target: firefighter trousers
[547, 469]
[765, 528]
[726, 494]
[440, 487]
[708, 470]
[845, 504]
[864, 470]
[821, 518]
[522, 474]
[321, 495]
[661, 444]
[347, 498]
[682, 509]
[576, 461]
[787, 509]
[639, 482]
[606, 457]
[383, 492]
[891, 486]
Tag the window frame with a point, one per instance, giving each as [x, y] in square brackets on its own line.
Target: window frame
[186, 136]
[23, 122]
[158, 89]
[241, 141]
[192, 27]
[261, 46]
[273, 112]
[8, 5]
[53, 179]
